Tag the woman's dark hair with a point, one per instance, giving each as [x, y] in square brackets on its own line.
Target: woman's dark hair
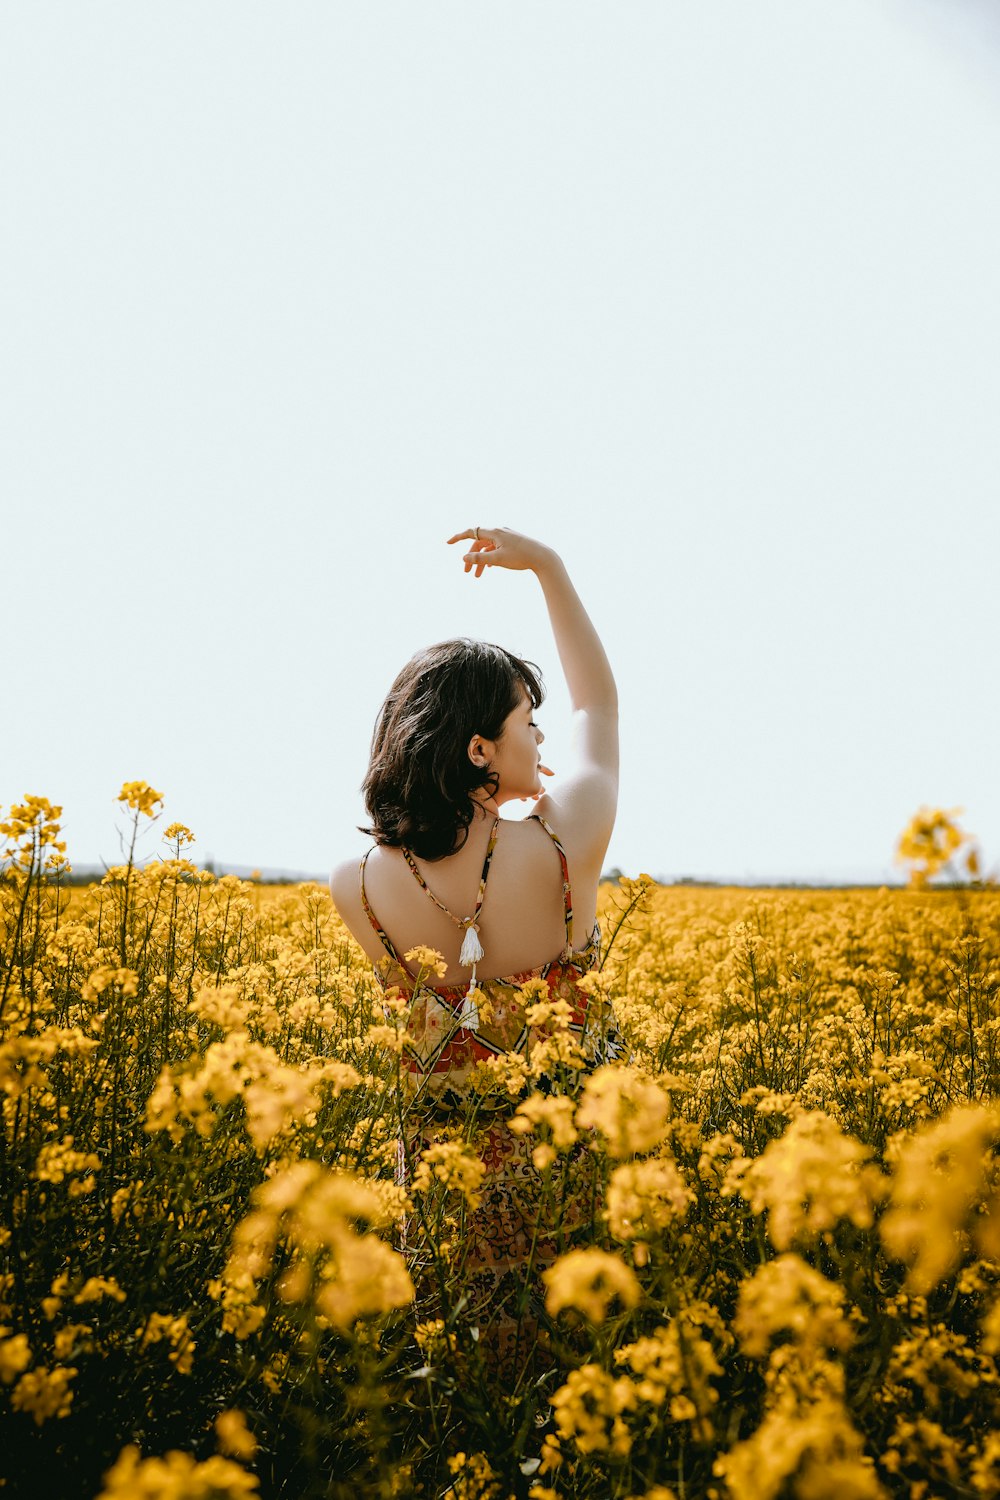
[420, 781]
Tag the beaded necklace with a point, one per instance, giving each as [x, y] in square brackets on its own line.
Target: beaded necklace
[472, 948]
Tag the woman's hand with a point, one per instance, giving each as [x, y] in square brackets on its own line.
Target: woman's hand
[499, 547]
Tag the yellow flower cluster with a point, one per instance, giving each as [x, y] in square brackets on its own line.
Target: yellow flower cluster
[786, 1297]
[474, 1478]
[644, 1197]
[590, 1410]
[672, 1368]
[176, 1476]
[811, 1178]
[15, 1355]
[555, 1113]
[630, 1110]
[929, 841]
[58, 1160]
[453, 1165]
[812, 1451]
[44, 1393]
[32, 830]
[767, 1241]
[944, 1175]
[175, 1332]
[234, 1436]
[346, 1275]
[275, 1096]
[140, 797]
[590, 1281]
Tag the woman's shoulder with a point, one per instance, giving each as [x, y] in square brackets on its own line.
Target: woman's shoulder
[345, 889]
[581, 815]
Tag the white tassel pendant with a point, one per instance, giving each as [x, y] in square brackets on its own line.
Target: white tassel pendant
[469, 1014]
[472, 952]
[472, 949]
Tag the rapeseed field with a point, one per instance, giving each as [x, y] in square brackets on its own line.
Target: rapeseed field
[783, 1279]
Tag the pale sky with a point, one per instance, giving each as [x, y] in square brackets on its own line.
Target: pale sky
[705, 296]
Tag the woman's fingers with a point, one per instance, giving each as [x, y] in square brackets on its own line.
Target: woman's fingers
[486, 549]
[484, 554]
[484, 535]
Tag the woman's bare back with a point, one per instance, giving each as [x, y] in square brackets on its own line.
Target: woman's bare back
[522, 923]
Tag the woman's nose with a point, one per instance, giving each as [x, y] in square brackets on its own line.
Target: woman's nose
[540, 736]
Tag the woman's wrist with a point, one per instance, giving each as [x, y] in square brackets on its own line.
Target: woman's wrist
[548, 562]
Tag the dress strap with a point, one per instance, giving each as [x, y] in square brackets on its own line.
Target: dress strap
[567, 893]
[466, 922]
[381, 933]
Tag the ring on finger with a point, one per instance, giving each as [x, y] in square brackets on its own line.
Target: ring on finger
[477, 533]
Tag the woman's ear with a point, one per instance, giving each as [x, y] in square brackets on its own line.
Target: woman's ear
[479, 751]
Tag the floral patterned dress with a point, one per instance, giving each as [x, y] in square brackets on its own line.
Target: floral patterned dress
[503, 1244]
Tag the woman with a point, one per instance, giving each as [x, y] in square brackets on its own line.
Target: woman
[503, 902]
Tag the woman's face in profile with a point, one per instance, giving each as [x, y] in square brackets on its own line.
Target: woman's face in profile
[516, 759]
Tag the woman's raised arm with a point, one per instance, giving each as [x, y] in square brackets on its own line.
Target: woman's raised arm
[582, 806]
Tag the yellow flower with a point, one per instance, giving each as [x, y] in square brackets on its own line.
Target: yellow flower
[590, 1281]
[221, 1005]
[991, 1329]
[176, 1332]
[785, 1296]
[629, 1109]
[551, 1455]
[234, 1436]
[96, 1287]
[433, 1339]
[348, 1275]
[393, 1038]
[35, 823]
[553, 1013]
[645, 1196]
[452, 1164]
[554, 1113]
[985, 1469]
[140, 797]
[474, 1478]
[673, 1365]
[940, 1176]
[44, 1393]
[176, 1476]
[507, 1072]
[178, 834]
[15, 1356]
[365, 1278]
[242, 1315]
[58, 1160]
[105, 976]
[813, 1453]
[66, 1338]
[929, 840]
[589, 1411]
[427, 961]
[810, 1178]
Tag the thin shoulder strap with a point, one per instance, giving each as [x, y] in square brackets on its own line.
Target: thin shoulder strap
[383, 936]
[466, 922]
[567, 893]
